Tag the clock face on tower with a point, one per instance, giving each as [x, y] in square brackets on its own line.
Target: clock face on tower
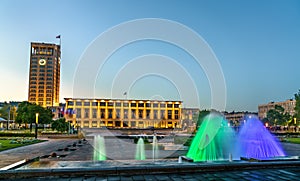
[42, 62]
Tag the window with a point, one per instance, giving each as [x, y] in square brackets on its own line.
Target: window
[78, 113]
[102, 103]
[125, 104]
[94, 113]
[78, 103]
[141, 104]
[70, 103]
[133, 104]
[141, 114]
[148, 114]
[162, 114]
[118, 104]
[86, 104]
[176, 105]
[94, 103]
[163, 105]
[110, 113]
[155, 105]
[155, 114]
[110, 104]
[102, 113]
[133, 113]
[148, 105]
[48, 95]
[125, 113]
[169, 114]
[118, 113]
[118, 123]
[86, 113]
[169, 105]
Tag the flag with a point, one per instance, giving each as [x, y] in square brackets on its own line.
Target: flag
[58, 36]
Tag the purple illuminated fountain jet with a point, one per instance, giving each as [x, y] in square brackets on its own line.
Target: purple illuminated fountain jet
[255, 141]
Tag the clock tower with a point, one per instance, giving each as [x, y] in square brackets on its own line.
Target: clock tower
[44, 74]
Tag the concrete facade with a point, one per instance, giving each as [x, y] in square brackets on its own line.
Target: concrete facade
[288, 105]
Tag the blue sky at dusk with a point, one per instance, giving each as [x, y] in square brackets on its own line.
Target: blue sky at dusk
[257, 43]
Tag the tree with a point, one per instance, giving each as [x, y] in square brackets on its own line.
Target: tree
[60, 125]
[201, 117]
[297, 106]
[26, 114]
[277, 116]
[4, 111]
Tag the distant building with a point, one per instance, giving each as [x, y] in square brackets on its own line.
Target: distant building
[189, 118]
[235, 118]
[115, 113]
[44, 74]
[288, 105]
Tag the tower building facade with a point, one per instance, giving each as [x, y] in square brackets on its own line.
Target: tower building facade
[44, 74]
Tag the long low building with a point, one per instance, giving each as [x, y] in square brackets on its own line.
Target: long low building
[116, 113]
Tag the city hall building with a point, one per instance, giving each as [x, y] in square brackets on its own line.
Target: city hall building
[115, 113]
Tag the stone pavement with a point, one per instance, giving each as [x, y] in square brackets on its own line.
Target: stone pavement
[288, 171]
[11, 156]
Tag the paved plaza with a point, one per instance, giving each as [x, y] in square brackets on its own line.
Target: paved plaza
[75, 151]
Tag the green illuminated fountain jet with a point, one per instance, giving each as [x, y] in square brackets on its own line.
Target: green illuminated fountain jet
[213, 140]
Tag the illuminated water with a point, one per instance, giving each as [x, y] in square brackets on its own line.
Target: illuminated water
[140, 150]
[99, 148]
[154, 148]
[214, 140]
[255, 141]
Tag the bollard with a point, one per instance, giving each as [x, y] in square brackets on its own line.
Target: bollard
[179, 159]
[230, 157]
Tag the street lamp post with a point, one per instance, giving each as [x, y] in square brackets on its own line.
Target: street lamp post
[8, 118]
[36, 124]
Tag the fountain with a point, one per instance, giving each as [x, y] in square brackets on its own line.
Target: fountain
[140, 150]
[154, 148]
[99, 148]
[255, 141]
[213, 141]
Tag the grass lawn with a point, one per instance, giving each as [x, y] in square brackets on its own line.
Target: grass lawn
[293, 140]
[9, 143]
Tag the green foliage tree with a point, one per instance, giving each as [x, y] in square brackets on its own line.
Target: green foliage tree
[60, 125]
[297, 106]
[201, 116]
[26, 114]
[4, 111]
[277, 116]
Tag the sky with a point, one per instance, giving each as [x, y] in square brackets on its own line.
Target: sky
[256, 44]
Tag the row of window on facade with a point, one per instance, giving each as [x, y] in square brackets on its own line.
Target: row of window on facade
[118, 104]
[40, 99]
[40, 91]
[41, 74]
[49, 77]
[42, 51]
[135, 114]
[41, 87]
[119, 123]
[40, 95]
[41, 70]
